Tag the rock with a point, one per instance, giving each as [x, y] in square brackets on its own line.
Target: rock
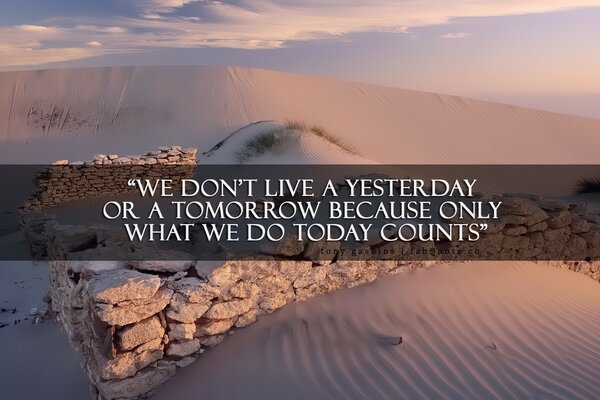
[314, 276]
[129, 312]
[214, 327]
[537, 217]
[185, 361]
[517, 206]
[559, 219]
[212, 341]
[196, 291]
[180, 310]
[76, 238]
[229, 309]
[247, 318]
[182, 349]
[180, 332]
[116, 286]
[127, 364]
[292, 270]
[288, 246]
[61, 162]
[539, 227]
[580, 225]
[514, 230]
[137, 385]
[244, 290]
[177, 262]
[219, 273]
[513, 219]
[142, 332]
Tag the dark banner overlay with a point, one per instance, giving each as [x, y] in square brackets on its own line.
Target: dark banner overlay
[317, 212]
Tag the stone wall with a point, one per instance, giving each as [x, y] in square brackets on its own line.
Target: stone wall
[107, 175]
[136, 322]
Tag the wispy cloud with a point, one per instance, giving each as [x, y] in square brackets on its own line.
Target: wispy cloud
[455, 35]
[246, 24]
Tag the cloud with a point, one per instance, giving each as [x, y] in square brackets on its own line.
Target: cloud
[33, 28]
[247, 24]
[94, 43]
[455, 35]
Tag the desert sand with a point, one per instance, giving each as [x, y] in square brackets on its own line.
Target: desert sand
[479, 330]
[469, 331]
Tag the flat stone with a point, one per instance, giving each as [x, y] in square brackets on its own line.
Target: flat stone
[182, 349]
[116, 286]
[180, 332]
[129, 312]
[144, 331]
[137, 385]
[182, 311]
[229, 309]
[214, 327]
[127, 364]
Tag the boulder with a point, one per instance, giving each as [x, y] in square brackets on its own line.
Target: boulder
[180, 332]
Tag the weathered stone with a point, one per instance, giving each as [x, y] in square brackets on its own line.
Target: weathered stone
[212, 341]
[517, 206]
[116, 286]
[171, 261]
[144, 331]
[137, 385]
[214, 327]
[576, 248]
[314, 276]
[247, 318]
[76, 238]
[244, 290]
[229, 309]
[180, 310]
[514, 230]
[559, 219]
[180, 332]
[514, 219]
[219, 273]
[539, 227]
[580, 225]
[129, 312]
[196, 291]
[288, 246]
[537, 217]
[182, 349]
[127, 364]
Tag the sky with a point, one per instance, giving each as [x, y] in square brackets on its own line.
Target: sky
[539, 53]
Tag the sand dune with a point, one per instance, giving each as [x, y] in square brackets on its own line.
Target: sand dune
[480, 330]
[74, 113]
[470, 331]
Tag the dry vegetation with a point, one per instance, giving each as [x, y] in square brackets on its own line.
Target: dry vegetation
[274, 139]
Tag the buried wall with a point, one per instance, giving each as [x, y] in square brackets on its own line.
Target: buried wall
[136, 322]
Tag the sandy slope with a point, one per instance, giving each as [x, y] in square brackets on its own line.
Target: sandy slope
[74, 113]
[470, 331]
[540, 320]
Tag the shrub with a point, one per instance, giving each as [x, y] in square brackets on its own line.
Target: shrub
[588, 186]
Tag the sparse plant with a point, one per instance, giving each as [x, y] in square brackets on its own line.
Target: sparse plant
[295, 124]
[262, 143]
[274, 139]
[588, 185]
